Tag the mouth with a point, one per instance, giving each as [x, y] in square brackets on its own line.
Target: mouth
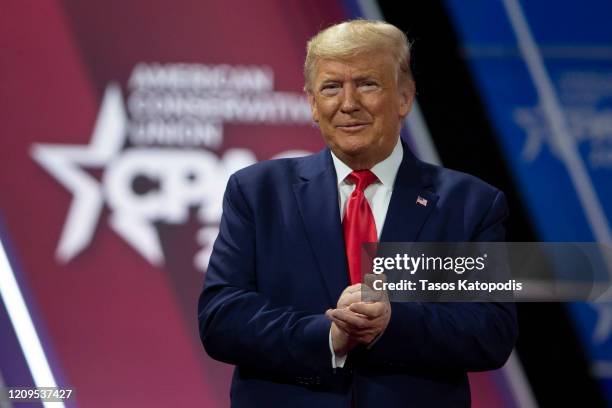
[352, 127]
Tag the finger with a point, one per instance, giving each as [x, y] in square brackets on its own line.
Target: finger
[352, 331]
[353, 296]
[347, 299]
[371, 295]
[352, 289]
[343, 326]
[352, 319]
[371, 310]
[339, 322]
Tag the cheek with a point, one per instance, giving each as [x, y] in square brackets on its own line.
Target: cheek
[327, 111]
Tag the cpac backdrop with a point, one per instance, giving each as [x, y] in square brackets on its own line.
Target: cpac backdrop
[121, 123]
[544, 71]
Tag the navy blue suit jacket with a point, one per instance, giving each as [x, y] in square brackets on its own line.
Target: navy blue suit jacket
[279, 263]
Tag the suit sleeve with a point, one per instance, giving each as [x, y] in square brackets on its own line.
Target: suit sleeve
[240, 326]
[470, 336]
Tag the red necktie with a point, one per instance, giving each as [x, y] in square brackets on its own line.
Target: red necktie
[359, 226]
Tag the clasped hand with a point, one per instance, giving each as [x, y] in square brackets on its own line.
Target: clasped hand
[360, 316]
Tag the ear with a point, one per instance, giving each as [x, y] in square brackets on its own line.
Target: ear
[313, 106]
[406, 95]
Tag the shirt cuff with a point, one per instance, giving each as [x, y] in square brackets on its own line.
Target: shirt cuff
[337, 362]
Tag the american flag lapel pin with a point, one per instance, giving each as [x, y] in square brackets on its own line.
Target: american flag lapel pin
[421, 201]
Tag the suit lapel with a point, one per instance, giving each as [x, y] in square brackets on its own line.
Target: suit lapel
[405, 216]
[321, 214]
[317, 199]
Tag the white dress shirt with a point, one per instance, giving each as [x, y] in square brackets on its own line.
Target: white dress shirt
[378, 195]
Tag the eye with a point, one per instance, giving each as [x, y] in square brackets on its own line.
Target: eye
[329, 89]
[368, 85]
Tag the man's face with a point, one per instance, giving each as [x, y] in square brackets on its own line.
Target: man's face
[359, 106]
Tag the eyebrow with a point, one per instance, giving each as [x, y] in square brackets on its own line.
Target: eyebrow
[333, 78]
[364, 77]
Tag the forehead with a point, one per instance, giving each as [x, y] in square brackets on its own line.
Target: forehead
[375, 65]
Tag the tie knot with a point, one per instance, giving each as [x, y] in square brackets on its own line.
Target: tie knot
[363, 178]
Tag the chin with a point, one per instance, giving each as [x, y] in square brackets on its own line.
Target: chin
[353, 149]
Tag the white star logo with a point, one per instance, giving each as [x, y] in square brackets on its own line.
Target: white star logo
[66, 164]
[153, 181]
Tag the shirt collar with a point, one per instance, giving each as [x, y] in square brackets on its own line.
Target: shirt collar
[386, 170]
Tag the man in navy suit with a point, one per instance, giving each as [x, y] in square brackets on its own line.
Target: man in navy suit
[278, 301]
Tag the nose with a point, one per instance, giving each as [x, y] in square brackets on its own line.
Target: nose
[350, 101]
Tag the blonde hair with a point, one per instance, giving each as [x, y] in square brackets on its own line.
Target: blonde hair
[354, 37]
